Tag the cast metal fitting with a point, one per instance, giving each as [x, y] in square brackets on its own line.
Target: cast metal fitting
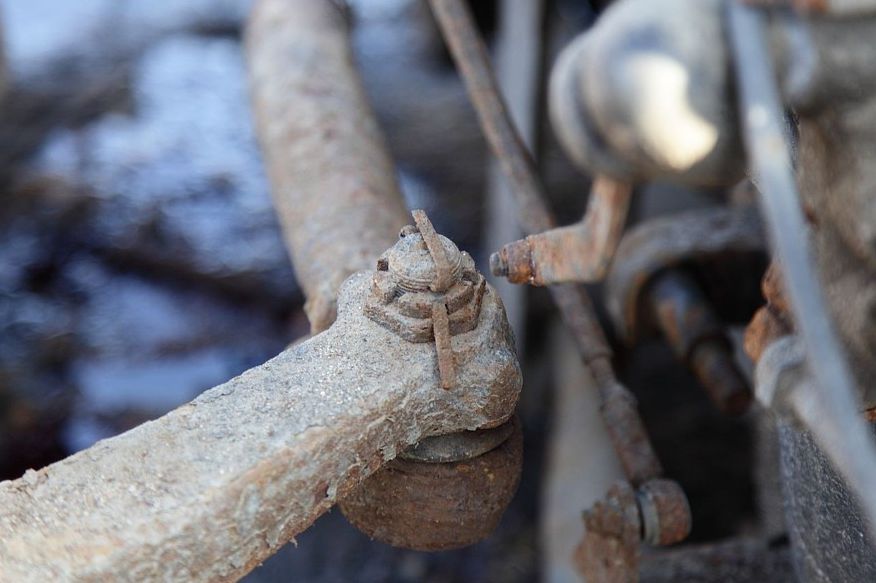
[450, 490]
[657, 513]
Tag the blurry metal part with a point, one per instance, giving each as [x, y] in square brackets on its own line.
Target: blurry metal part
[665, 242]
[828, 530]
[438, 506]
[698, 339]
[447, 490]
[664, 511]
[577, 253]
[457, 447]
[657, 512]
[332, 181]
[784, 384]
[401, 298]
[772, 321]
[519, 52]
[618, 403]
[609, 551]
[831, 394]
[581, 464]
[829, 7]
[622, 97]
[210, 490]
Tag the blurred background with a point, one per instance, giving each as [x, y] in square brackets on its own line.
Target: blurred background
[141, 261]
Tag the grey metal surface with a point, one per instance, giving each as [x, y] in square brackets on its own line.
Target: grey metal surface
[208, 491]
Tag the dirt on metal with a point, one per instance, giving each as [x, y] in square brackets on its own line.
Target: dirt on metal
[210, 490]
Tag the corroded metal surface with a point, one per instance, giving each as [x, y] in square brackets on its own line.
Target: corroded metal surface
[665, 512]
[609, 552]
[577, 253]
[697, 337]
[656, 512]
[438, 506]
[210, 490]
[332, 181]
[669, 241]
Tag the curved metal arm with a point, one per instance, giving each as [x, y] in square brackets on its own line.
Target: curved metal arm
[210, 490]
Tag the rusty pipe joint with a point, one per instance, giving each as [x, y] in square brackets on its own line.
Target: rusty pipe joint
[577, 253]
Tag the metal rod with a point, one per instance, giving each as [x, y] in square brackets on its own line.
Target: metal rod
[332, 180]
[852, 449]
[618, 404]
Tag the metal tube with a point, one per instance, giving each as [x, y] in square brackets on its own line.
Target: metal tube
[333, 182]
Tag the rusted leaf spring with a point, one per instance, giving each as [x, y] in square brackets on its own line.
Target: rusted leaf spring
[212, 489]
[332, 181]
[577, 253]
[619, 407]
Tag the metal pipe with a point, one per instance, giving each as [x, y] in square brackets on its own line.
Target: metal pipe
[210, 490]
[618, 404]
[333, 182]
[760, 111]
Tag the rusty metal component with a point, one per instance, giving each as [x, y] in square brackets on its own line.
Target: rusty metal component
[694, 237]
[332, 181]
[665, 513]
[438, 506]
[619, 409]
[577, 253]
[832, 391]
[443, 268]
[210, 490]
[698, 339]
[456, 447]
[785, 385]
[425, 289]
[657, 513]
[609, 552]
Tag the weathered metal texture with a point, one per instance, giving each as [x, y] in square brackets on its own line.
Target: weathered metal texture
[690, 237]
[664, 511]
[698, 339]
[438, 506]
[622, 102]
[772, 321]
[618, 403]
[609, 551]
[210, 490]
[656, 512]
[577, 253]
[785, 385]
[819, 7]
[333, 183]
[837, 180]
